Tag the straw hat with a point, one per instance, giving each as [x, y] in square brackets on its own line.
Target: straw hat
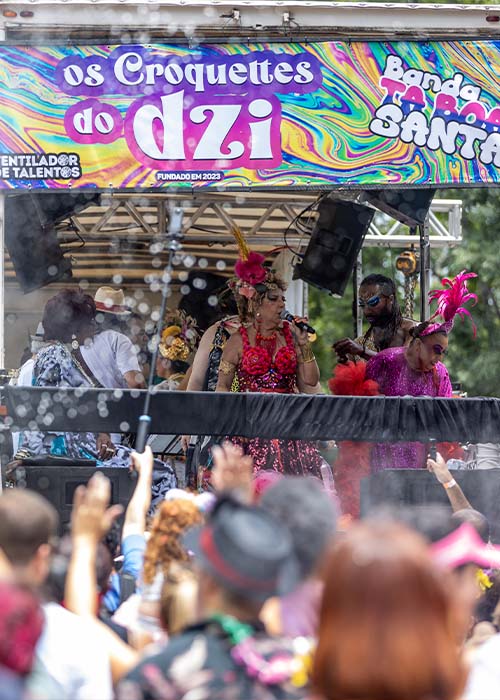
[111, 301]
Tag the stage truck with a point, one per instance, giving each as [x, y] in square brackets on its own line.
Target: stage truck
[240, 113]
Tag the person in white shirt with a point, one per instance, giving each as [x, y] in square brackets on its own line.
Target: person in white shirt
[484, 677]
[110, 354]
[112, 359]
[71, 663]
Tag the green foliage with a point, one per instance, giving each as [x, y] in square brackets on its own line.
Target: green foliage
[475, 363]
[333, 318]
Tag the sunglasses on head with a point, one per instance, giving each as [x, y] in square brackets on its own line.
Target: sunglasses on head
[372, 301]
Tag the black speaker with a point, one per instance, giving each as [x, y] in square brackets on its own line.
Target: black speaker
[57, 484]
[334, 246]
[31, 236]
[410, 207]
[418, 487]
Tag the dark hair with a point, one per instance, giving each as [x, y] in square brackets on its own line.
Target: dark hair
[227, 303]
[416, 331]
[67, 313]
[388, 288]
[27, 354]
[387, 284]
[302, 504]
[179, 366]
[433, 520]
[53, 588]
[112, 539]
[27, 520]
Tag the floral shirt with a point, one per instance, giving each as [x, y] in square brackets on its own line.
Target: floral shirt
[198, 663]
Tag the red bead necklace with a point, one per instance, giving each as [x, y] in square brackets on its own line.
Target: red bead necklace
[268, 342]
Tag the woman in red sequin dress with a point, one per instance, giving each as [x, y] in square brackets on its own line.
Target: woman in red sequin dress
[266, 356]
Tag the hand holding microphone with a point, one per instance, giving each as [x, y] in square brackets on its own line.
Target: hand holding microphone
[303, 325]
[303, 339]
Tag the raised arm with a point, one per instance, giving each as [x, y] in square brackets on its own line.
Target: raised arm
[455, 494]
[135, 515]
[91, 518]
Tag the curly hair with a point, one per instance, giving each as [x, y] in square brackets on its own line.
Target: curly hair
[247, 308]
[164, 546]
[65, 314]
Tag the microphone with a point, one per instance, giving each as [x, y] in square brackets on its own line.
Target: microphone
[287, 316]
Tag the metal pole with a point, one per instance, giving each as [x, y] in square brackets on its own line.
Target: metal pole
[2, 280]
[356, 281]
[174, 236]
[305, 298]
[425, 268]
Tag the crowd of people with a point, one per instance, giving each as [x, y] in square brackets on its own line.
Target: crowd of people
[258, 580]
[254, 590]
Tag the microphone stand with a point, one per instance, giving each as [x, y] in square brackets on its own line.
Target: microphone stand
[174, 237]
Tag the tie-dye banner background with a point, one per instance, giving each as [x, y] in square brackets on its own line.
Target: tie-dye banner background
[320, 115]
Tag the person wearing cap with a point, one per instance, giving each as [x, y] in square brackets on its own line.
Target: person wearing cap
[228, 652]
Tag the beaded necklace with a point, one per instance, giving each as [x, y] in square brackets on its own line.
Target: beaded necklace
[278, 669]
[268, 342]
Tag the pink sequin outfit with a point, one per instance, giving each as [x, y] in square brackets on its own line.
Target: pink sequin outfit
[395, 377]
[257, 372]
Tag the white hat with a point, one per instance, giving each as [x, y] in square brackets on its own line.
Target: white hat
[111, 301]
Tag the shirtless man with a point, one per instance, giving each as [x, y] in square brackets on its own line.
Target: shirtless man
[388, 328]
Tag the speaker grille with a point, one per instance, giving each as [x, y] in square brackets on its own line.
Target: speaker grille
[334, 246]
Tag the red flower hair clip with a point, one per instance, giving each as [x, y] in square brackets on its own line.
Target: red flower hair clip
[249, 268]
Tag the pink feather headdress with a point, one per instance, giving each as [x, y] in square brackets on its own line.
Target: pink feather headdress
[450, 303]
[464, 546]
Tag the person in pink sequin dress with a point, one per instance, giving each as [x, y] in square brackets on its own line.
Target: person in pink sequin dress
[266, 356]
[415, 370]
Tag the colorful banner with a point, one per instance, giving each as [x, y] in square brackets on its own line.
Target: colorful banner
[319, 115]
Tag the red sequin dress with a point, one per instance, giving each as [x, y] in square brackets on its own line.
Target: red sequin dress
[258, 372]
